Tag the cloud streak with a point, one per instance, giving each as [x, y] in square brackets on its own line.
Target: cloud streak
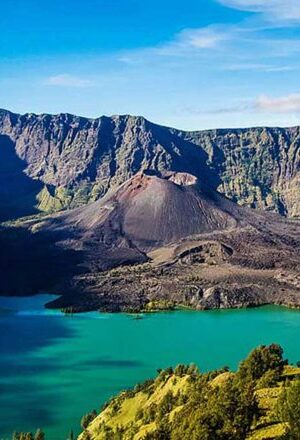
[66, 80]
[256, 67]
[289, 104]
[191, 40]
[205, 38]
[281, 10]
[187, 43]
[283, 104]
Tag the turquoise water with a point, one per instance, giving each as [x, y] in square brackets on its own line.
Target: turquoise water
[55, 368]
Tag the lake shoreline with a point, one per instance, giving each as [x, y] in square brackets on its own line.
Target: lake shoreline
[58, 369]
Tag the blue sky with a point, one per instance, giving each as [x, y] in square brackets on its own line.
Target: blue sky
[192, 64]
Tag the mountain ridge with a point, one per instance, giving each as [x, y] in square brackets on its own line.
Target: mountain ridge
[136, 116]
[68, 161]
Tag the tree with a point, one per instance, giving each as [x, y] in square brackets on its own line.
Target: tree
[22, 436]
[288, 409]
[86, 435]
[180, 370]
[161, 433]
[166, 405]
[193, 370]
[88, 418]
[223, 412]
[261, 360]
[39, 435]
[26, 436]
[71, 436]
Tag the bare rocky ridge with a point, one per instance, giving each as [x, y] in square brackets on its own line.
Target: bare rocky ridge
[49, 163]
[160, 240]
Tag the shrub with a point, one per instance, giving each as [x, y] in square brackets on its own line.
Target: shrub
[88, 418]
[288, 409]
[269, 379]
[39, 435]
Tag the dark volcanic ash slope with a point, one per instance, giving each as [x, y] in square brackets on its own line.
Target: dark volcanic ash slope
[51, 162]
[143, 214]
[170, 239]
[150, 211]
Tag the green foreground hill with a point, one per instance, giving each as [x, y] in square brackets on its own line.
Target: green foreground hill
[260, 401]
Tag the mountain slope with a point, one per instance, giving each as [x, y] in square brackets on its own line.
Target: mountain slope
[184, 404]
[67, 161]
[160, 240]
[151, 210]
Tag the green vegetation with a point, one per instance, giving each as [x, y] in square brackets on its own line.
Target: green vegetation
[263, 361]
[288, 408]
[260, 401]
[159, 305]
[39, 435]
[68, 310]
[71, 436]
[46, 202]
[88, 418]
[52, 199]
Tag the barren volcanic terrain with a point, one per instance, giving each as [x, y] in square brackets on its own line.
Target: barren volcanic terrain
[160, 240]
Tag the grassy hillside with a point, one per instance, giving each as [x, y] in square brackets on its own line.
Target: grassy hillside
[258, 402]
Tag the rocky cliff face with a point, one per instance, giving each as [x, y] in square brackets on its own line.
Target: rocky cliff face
[258, 167]
[48, 163]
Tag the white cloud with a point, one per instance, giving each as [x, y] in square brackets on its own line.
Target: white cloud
[186, 43]
[193, 39]
[239, 107]
[284, 104]
[66, 80]
[289, 104]
[206, 38]
[268, 68]
[279, 9]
